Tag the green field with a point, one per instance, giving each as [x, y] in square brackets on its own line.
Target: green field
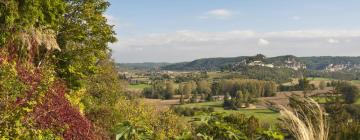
[139, 86]
[320, 79]
[356, 81]
[320, 100]
[264, 115]
[329, 79]
[323, 100]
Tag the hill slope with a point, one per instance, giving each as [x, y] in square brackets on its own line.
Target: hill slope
[208, 64]
[141, 66]
[287, 61]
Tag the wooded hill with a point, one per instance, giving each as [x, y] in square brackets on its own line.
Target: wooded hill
[141, 66]
[311, 63]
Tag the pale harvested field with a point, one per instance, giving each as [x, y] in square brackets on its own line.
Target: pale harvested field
[161, 104]
[282, 98]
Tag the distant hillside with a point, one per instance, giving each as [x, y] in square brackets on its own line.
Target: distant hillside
[209, 64]
[140, 66]
[288, 61]
[324, 62]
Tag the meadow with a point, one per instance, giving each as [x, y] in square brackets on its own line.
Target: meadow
[264, 115]
[138, 86]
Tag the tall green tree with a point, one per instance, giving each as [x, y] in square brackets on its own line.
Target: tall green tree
[169, 90]
[83, 39]
[349, 92]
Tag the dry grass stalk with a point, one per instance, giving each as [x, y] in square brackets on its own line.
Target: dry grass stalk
[35, 37]
[307, 121]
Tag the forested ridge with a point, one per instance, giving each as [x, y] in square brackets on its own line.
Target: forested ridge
[312, 63]
[147, 66]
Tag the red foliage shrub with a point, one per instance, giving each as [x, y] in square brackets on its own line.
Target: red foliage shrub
[53, 111]
[57, 113]
[29, 78]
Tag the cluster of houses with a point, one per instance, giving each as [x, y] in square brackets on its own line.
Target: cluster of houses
[289, 63]
[339, 67]
[293, 64]
[260, 63]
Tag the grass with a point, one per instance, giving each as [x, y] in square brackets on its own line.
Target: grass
[320, 100]
[317, 80]
[264, 115]
[309, 124]
[139, 86]
[330, 79]
[320, 79]
[323, 100]
[356, 81]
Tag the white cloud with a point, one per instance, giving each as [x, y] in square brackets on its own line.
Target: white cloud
[114, 21]
[110, 19]
[263, 42]
[189, 36]
[217, 14]
[296, 18]
[333, 41]
[139, 49]
[220, 13]
[186, 45]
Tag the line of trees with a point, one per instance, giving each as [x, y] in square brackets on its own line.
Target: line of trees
[160, 89]
[194, 91]
[240, 93]
[256, 88]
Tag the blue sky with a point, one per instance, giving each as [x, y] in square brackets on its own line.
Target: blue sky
[183, 30]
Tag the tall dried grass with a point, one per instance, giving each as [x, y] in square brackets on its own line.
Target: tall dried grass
[34, 37]
[32, 44]
[305, 121]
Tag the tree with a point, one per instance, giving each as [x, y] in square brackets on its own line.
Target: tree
[180, 91]
[322, 85]
[350, 93]
[256, 88]
[343, 120]
[303, 83]
[305, 86]
[216, 88]
[83, 38]
[269, 89]
[147, 121]
[204, 89]
[169, 90]
[103, 91]
[187, 90]
[232, 127]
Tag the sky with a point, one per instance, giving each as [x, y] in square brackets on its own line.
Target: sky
[184, 30]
